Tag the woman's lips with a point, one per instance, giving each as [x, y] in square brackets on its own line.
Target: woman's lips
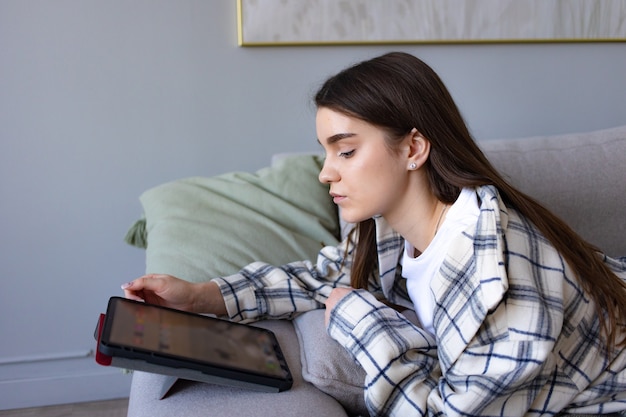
[337, 198]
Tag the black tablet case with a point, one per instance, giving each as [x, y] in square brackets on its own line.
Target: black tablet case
[174, 374]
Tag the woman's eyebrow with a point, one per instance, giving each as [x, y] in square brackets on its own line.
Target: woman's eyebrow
[336, 138]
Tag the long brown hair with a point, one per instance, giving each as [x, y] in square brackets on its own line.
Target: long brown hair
[398, 92]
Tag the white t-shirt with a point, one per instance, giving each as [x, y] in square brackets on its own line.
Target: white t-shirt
[420, 271]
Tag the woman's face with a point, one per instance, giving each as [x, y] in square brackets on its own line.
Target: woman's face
[366, 178]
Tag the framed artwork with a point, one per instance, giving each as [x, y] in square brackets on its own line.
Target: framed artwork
[353, 22]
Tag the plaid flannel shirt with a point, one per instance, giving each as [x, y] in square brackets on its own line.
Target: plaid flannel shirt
[515, 332]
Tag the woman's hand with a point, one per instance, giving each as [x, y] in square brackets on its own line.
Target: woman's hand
[335, 296]
[169, 291]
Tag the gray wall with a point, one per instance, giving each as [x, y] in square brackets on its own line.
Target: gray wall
[100, 100]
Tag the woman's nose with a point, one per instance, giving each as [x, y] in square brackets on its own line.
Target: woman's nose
[328, 174]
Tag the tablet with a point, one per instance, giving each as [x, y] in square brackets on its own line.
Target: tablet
[192, 346]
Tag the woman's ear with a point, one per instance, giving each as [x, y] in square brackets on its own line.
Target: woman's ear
[419, 150]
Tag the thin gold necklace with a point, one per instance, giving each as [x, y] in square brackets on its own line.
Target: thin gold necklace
[445, 208]
[417, 253]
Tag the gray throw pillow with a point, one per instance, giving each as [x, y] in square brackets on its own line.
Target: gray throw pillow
[327, 365]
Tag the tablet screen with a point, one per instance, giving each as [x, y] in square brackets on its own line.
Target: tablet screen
[199, 338]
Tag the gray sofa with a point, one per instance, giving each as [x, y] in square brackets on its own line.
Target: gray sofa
[581, 177]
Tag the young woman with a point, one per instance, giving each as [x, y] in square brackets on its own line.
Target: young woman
[517, 314]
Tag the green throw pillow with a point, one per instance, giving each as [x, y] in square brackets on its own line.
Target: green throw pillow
[201, 228]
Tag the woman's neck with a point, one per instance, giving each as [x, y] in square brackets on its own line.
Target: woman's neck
[418, 218]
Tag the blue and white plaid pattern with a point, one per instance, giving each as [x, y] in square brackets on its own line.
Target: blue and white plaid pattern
[515, 332]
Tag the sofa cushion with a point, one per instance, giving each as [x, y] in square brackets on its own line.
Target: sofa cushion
[580, 177]
[200, 228]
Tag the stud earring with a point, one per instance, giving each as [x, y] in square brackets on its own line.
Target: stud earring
[412, 165]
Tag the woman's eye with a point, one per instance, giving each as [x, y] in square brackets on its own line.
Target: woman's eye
[347, 154]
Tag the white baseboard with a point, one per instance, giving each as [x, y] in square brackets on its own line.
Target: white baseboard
[60, 380]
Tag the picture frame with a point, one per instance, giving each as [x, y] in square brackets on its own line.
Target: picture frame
[355, 22]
